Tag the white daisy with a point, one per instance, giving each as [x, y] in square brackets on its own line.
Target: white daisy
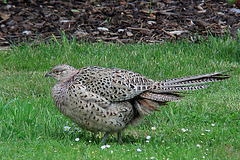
[139, 150]
[153, 128]
[184, 130]
[66, 128]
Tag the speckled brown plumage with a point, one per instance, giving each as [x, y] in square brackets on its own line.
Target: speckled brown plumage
[109, 99]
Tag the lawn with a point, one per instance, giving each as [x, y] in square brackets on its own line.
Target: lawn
[205, 124]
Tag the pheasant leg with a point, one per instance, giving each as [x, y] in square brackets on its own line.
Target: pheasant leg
[105, 137]
[119, 137]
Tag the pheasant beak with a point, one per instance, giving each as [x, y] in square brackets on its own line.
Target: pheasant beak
[48, 75]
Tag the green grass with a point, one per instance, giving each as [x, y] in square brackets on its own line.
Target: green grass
[32, 128]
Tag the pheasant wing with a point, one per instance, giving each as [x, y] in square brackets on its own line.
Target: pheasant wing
[112, 83]
[77, 91]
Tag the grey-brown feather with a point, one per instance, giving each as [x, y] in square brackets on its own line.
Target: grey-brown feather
[109, 99]
[188, 83]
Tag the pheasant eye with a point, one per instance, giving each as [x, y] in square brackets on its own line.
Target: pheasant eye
[59, 72]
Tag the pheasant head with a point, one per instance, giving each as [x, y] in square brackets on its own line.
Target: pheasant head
[62, 72]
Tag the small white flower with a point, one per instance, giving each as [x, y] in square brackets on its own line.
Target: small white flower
[139, 150]
[213, 124]
[111, 151]
[148, 137]
[77, 139]
[147, 141]
[184, 130]
[66, 128]
[152, 157]
[89, 141]
[207, 130]
[202, 134]
[103, 147]
[207, 149]
[203, 157]
[198, 145]
[153, 128]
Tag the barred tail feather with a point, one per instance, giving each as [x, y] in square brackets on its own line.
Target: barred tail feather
[163, 97]
[188, 83]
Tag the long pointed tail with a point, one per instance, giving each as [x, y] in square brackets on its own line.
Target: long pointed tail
[188, 83]
[166, 91]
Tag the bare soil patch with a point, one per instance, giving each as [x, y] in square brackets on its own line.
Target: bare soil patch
[122, 21]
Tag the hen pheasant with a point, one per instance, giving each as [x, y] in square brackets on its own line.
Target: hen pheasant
[109, 99]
